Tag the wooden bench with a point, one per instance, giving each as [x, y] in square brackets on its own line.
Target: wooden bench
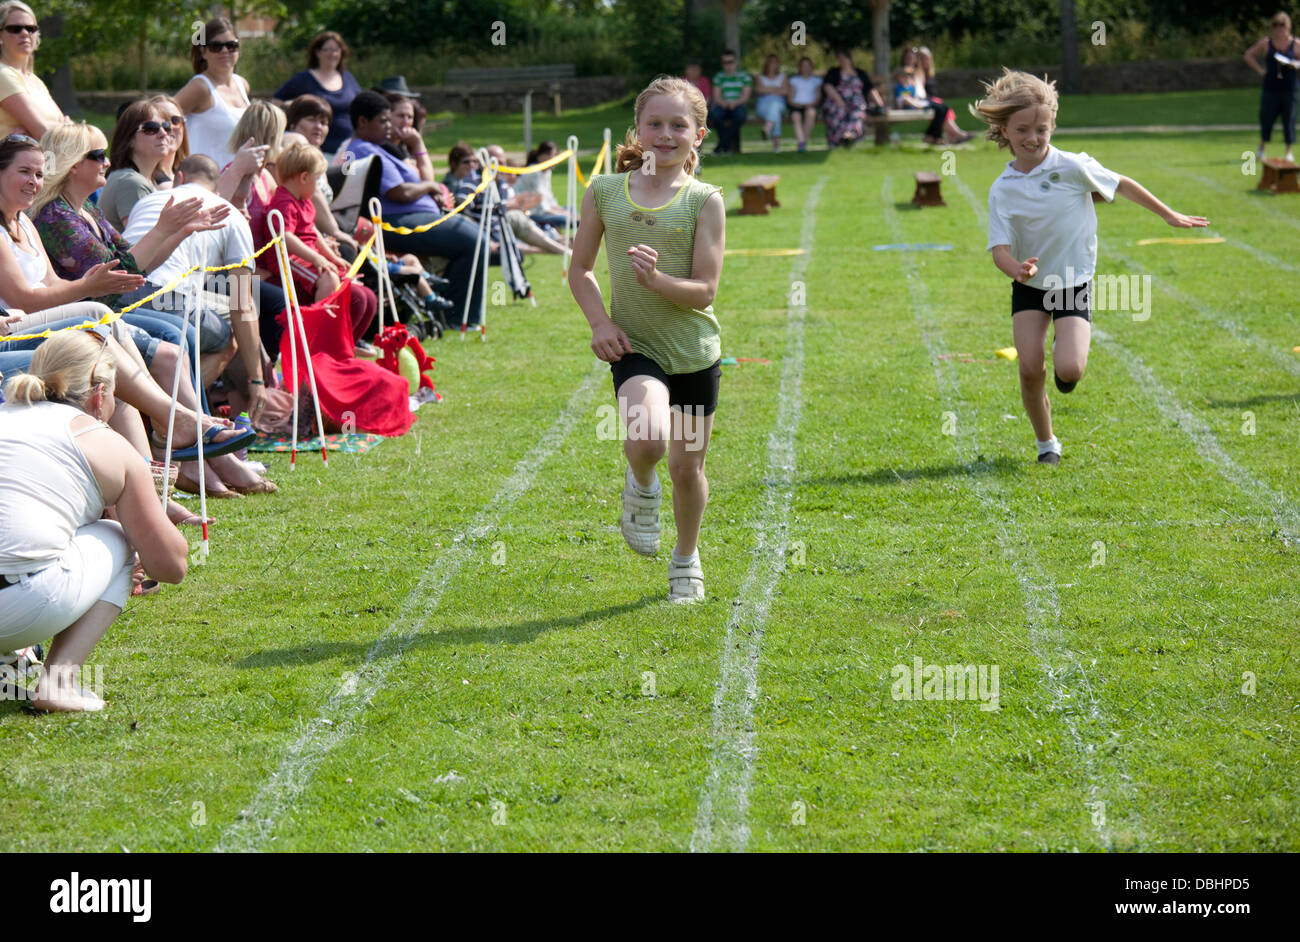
[1280, 176]
[927, 191]
[883, 122]
[758, 193]
[520, 79]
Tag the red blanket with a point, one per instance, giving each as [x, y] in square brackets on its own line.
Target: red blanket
[356, 394]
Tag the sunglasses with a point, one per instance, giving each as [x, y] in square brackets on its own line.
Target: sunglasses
[24, 28]
[176, 121]
[152, 127]
[21, 139]
[231, 44]
[99, 156]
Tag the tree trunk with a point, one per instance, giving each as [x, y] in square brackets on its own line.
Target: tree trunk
[731, 23]
[1071, 76]
[141, 40]
[880, 37]
[60, 80]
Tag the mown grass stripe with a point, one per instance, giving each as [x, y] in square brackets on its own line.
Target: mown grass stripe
[1067, 681]
[720, 821]
[337, 719]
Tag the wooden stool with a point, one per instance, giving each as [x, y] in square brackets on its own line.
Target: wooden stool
[1280, 176]
[927, 191]
[758, 193]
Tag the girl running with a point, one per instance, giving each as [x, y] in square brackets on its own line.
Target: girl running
[1040, 210]
[664, 235]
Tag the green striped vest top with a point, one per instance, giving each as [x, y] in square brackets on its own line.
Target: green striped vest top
[679, 339]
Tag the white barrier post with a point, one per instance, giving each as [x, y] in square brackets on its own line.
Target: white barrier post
[297, 333]
[570, 198]
[493, 200]
[480, 244]
[528, 120]
[609, 164]
[376, 212]
[192, 304]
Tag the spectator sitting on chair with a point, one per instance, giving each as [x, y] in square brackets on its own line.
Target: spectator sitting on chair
[309, 116]
[215, 99]
[919, 63]
[805, 93]
[315, 267]
[25, 103]
[406, 200]
[772, 92]
[731, 91]
[696, 77]
[327, 77]
[549, 212]
[848, 94]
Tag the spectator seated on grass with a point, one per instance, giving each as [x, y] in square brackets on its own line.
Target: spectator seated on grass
[65, 571]
[26, 106]
[327, 78]
[315, 267]
[406, 200]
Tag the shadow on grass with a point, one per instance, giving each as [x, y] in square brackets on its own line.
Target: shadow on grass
[999, 465]
[1253, 401]
[465, 634]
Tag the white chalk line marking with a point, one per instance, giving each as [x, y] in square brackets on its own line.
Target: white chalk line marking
[1068, 685]
[720, 818]
[337, 719]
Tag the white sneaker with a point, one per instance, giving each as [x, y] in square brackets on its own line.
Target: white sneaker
[685, 582]
[640, 523]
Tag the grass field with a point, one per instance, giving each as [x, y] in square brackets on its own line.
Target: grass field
[445, 644]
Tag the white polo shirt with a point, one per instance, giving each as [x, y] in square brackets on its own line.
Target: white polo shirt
[1048, 213]
[231, 243]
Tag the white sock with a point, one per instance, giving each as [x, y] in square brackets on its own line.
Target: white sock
[1052, 444]
[686, 560]
[644, 491]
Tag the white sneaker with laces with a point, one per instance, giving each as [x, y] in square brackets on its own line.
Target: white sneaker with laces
[640, 523]
[685, 580]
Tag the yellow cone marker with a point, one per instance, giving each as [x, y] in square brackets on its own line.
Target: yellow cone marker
[1007, 353]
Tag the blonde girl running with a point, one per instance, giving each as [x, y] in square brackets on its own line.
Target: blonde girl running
[664, 235]
[1043, 235]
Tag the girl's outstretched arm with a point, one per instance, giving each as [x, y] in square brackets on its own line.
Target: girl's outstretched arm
[699, 290]
[1130, 189]
[607, 340]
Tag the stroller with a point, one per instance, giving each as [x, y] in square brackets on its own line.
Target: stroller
[354, 185]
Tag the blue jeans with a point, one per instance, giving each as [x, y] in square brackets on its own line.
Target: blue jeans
[16, 355]
[728, 122]
[771, 108]
[543, 218]
[452, 240]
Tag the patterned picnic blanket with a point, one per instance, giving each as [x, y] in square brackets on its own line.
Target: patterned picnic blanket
[352, 444]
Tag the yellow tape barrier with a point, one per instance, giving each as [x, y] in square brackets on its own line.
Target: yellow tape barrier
[115, 315]
[600, 159]
[538, 168]
[488, 177]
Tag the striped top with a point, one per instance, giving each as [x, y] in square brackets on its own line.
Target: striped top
[679, 339]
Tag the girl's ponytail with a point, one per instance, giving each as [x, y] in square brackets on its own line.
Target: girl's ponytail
[25, 389]
[630, 153]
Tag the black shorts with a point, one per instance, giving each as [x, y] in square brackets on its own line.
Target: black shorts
[694, 392]
[1059, 302]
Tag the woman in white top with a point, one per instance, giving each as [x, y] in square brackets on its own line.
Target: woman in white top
[772, 90]
[25, 103]
[216, 97]
[64, 571]
[805, 96]
[548, 212]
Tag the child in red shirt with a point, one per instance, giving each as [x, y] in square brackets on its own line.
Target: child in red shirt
[315, 266]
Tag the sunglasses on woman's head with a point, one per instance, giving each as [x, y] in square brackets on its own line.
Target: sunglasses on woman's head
[231, 44]
[99, 156]
[152, 127]
[21, 139]
[22, 28]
